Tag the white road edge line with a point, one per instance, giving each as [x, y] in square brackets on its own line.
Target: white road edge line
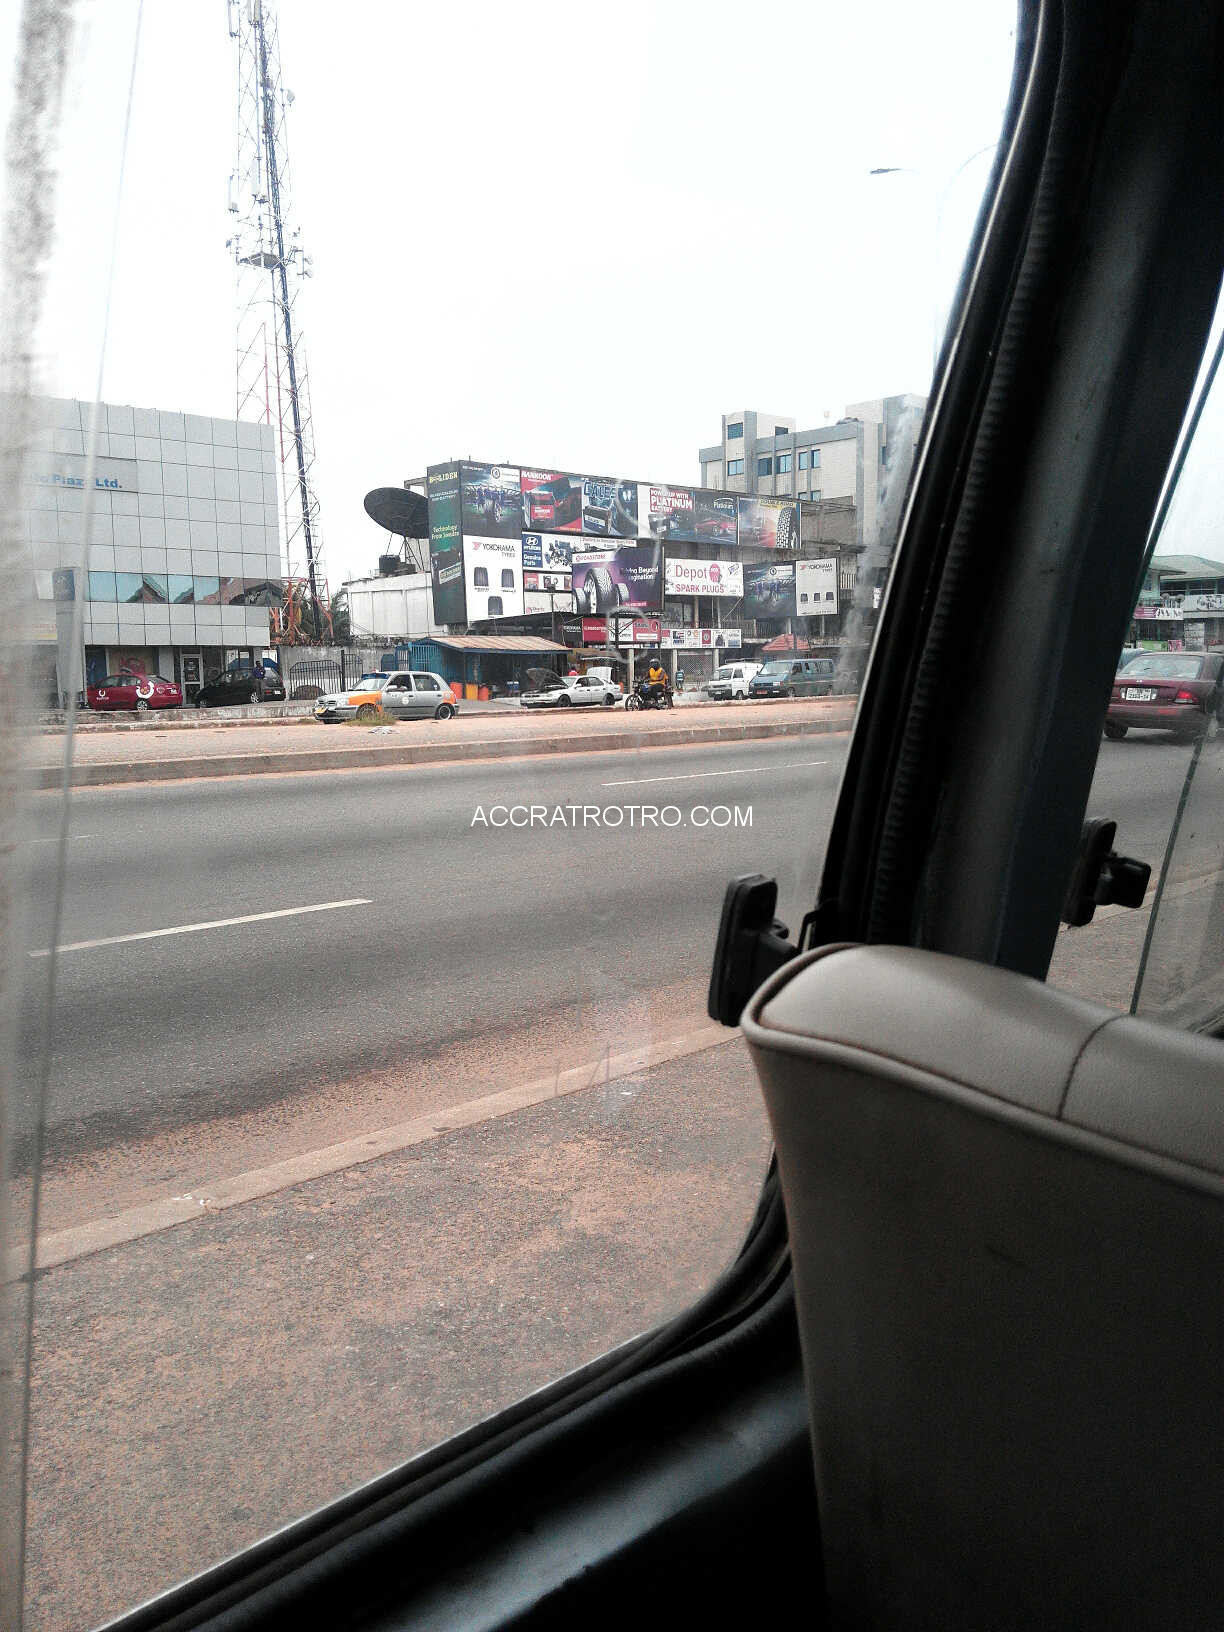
[194, 929]
[697, 776]
[152, 1217]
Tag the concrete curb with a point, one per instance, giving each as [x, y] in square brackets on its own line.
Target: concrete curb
[121, 772]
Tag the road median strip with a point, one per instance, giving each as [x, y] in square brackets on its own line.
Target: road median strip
[278, 762]
[65, 1246]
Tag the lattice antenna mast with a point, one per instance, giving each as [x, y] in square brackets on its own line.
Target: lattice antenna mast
[272, 380]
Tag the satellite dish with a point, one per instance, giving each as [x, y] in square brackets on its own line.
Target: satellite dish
[399, 510]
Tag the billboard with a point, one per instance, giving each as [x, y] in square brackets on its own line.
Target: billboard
[442, 491]
[716, 517]
[550, 583]
[687, 639]
[551, 502]
[769, 590]
[684, 577]
[493, 577]
[547, 552]
[609, 508]
[491, 500]
[668, 512]
[816, 588]
[621, 631]
[449, 601]
[771, 524]
[629, 576]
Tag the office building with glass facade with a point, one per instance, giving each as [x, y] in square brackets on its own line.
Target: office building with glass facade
[184, 555]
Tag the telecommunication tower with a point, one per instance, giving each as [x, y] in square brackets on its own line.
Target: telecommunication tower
[272, 380]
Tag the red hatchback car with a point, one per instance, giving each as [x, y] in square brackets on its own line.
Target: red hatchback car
[134, 691]
[1166, 691]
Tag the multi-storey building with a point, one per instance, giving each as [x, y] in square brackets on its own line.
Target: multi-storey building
[184, 558]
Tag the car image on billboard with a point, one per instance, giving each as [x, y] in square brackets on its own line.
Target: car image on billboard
[627, 578]
[551, 502]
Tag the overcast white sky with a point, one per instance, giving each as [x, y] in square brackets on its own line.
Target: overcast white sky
[559, 234]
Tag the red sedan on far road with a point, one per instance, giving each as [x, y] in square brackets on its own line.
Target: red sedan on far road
[1167, 691]
[134, 691]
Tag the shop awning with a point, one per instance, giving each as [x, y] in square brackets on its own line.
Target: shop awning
[505, 645]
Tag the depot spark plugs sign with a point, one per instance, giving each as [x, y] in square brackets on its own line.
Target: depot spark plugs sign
[703, 577]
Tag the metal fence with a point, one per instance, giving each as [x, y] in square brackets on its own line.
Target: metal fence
[311, 677]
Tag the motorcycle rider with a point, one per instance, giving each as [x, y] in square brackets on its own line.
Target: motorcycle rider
[656, 677]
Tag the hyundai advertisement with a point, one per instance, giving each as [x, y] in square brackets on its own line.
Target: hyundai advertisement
[546, 552]
[769, 591]
[628, 578]
[491, 500]
[771, 524]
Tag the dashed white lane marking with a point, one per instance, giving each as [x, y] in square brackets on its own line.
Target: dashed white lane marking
[194, 929]
[697, 776]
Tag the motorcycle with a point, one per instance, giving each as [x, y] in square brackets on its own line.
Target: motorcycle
[649, 696]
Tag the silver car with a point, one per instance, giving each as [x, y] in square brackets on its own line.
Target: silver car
[550, 690]
[405, 694]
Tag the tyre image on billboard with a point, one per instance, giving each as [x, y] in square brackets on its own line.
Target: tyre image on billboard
[628, 578]
[551, 502]
[769, 591]
[491, 501]
[493, 577]
[816, 588]
[771, 524]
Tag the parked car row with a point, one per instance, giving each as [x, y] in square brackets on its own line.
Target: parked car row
[140, 692]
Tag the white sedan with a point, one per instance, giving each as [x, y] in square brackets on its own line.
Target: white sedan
[578, 691]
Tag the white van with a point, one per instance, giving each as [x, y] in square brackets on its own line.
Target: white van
[731, 681]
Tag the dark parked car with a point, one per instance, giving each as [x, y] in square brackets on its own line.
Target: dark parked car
[237, 686]
[794, 677]
[1166, 691]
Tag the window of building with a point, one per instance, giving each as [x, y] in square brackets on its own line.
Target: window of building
[781, 430]
[785, 461]
[815, 458]
[735, 467]
[815, 495]
[765, 466]
[805, 457]
[736, 430]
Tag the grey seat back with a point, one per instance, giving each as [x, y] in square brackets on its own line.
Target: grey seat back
[1006, 1210]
